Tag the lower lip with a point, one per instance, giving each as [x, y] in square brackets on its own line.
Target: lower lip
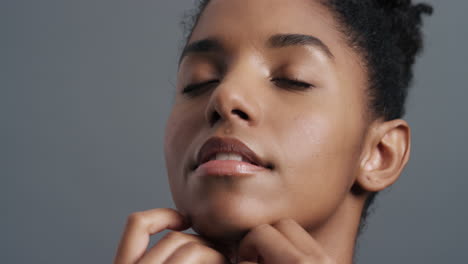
[228, 168]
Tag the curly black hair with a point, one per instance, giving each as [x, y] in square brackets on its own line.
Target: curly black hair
[387, 34]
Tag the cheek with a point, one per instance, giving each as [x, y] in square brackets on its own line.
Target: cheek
[312, 143]
[316, 165]
[180, 131]
[321, 141]
[183, 123]
[171, 134]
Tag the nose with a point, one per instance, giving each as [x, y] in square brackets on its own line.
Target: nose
[235, 103]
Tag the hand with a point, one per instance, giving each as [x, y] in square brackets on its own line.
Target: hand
[283, 242]
[174, 247]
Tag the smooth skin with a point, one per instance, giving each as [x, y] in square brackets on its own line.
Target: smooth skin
[301, 107]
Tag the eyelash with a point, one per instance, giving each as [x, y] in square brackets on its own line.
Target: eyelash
[196, 88]
[287, 83]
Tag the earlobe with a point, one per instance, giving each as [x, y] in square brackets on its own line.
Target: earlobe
[385, 155]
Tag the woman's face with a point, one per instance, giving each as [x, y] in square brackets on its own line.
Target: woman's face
[278, 76]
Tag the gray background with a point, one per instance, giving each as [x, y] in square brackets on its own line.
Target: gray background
[86, 87]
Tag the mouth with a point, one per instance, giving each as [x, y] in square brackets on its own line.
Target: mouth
[228, 155]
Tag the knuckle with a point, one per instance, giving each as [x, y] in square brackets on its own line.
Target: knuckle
[253, 234]
[284, 222]
[192, 246]
[136, 218]
[201, 254]
[180, 236]
[260, 228]
[175, 235]
[256, 231]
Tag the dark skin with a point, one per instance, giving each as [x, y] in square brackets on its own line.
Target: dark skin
[281, 79]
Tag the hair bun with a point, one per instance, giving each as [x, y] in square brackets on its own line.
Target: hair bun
[395, 4]
[420, 9]
[405, 5]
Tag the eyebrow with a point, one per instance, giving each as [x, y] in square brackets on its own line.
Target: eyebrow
[285, 40]
[202, 46]
[275, 41]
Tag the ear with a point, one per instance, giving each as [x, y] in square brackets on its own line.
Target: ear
[385, 154]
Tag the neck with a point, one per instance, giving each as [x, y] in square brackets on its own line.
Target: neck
[337, 235]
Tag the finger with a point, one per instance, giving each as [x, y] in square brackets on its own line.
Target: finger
[140, 226]
[270, 244]
[193, 252]
[167, 245]
[298, 236]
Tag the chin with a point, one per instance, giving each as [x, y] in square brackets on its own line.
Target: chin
[229, 220]
[220, 231]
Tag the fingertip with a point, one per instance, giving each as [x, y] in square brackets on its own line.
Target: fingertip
[182, 223]
[186, 223]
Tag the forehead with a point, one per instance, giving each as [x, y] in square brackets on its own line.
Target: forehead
[257, 20]
[246, 24]
[250, 23]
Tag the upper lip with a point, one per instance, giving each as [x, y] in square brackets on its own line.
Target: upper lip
[216, 145]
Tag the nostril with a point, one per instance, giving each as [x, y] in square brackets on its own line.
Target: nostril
[214, 118]
[240, 113]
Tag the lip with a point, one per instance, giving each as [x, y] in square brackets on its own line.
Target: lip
[251, 162]
[228, 168]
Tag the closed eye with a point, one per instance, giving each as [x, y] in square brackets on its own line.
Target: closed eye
[291, 83]
[197, 88]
